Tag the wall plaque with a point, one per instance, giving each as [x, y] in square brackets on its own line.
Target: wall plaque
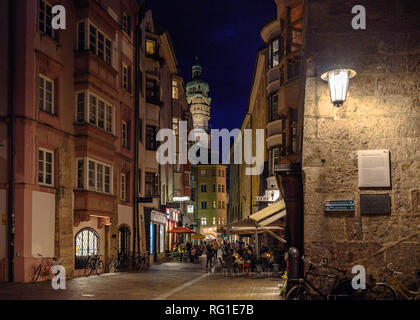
[374, 169]
[375, 204]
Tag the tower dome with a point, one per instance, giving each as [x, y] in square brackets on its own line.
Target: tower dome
[198, 98]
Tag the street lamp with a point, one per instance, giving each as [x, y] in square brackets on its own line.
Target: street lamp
[338, 82]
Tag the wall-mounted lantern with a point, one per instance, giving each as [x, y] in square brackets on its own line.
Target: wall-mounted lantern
[338, 82]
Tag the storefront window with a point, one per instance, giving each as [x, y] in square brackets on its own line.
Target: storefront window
[87, 243]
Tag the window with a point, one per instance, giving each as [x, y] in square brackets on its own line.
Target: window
[223, 205]
[175, 94]
[274, 53]
[87, 243]
[124, 134]
[80, 175]
[123, 186]
[81, 35]
[214, 188]
[80, 107]
[203, 172]
[152, 91]
[214, 204]
[125, 77]
[151, 184]
[218, 221]
[151, 48]
[203, 188]
[46, 94]
[151, 143]
[186, 179]
[100, 113]
[223, 188]
[126, 23]
[274, 159]
[218, 188]
[45, 167]
[45, 18]
[273, 113]
[203, 205]
[99, 44]
[99, 176]
[214, 221]
[219, 204]
[203, 221]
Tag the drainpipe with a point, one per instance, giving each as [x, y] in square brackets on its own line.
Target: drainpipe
[11, 122]
[250, 178]
[136, 231]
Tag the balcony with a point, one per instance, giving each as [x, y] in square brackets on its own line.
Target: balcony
[89, 204]
[89, 67]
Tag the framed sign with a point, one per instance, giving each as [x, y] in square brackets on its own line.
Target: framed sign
[375, 204]
[374, 169]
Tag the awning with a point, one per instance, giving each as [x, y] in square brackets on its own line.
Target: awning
[270, 213]
[253, 230]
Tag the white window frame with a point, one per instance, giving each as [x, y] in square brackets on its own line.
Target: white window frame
[45, 79]
[45, 19]
[175, 90]
[203, 221]
[44, 171]
[106, 105]
[87, 41]
[214, 221]
[123, 193]
[83, 174]
[124, 134]
[95, 176]
[124, 76]
[85, 93]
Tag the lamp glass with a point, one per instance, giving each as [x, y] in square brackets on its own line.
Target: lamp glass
[338, 82]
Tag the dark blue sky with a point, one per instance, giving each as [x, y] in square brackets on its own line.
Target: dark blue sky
[225, 35]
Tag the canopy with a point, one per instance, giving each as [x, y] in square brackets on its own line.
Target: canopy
[253, 230]
[181, 230]
[270, 214]
[197, 236]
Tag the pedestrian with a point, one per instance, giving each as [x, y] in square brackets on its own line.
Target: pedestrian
[209, 254]
[216, 249]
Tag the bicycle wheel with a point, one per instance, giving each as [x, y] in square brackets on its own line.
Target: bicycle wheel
[380, 291]
[99, 267]
[298, 292]
[36, 274]
[88, 269]
[113, 265]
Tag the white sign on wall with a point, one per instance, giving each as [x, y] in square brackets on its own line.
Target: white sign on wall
[374, 169]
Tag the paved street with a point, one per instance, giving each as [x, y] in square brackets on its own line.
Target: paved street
[184, 281]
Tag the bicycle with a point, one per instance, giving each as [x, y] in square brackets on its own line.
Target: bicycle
[94, 262]
[138, 261]
[388, 289]
[120, 262]
[341, 288]
[44, 268]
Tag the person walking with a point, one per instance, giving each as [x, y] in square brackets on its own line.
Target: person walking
[216, 249]
[209, 254]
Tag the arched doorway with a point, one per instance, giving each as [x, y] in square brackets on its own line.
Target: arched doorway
[124, 236]
[86, 243]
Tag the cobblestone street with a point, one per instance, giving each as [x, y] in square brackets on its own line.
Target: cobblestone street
[172, 281]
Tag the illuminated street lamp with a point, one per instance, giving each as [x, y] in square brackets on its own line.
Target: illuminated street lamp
[338, 82]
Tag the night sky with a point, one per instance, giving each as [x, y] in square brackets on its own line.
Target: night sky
[225, 35]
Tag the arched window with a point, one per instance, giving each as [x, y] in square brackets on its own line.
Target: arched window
[124, 239]
[86, 243]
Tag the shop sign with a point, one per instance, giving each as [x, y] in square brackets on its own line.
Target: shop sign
[270, 196]
[144, 199]
[173, 205]
[190, 208]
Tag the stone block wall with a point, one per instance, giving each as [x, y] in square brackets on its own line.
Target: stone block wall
[382, 111]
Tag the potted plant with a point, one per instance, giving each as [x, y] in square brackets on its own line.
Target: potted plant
[283, 285]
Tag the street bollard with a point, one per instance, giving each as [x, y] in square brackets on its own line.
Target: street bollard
[292, 266]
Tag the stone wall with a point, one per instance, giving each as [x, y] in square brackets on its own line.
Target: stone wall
[381, 112]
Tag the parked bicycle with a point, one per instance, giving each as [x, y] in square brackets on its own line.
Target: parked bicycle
[94, 263]
[341, 288]
[44, 268]
[120, 262]
[391, 287]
